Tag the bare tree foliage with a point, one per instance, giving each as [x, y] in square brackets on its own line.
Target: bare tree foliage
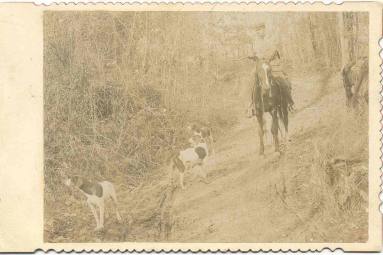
[121, 87]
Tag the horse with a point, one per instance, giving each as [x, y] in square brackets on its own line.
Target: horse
[268, 95]
[355, 81]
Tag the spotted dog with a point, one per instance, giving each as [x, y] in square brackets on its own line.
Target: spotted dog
[205, 133]
[96, 193]
[189, 158]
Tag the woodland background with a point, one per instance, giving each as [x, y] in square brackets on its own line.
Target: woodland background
[120, 87]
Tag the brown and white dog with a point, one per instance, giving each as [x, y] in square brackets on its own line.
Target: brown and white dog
[96, 193]
[189, 158]
[205, 133]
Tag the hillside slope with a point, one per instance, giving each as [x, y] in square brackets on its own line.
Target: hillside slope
[316, 191]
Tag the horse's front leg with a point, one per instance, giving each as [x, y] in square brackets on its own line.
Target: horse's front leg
[275, 129]
[261, 134]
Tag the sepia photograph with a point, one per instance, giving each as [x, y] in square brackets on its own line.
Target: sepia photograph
[206, 126]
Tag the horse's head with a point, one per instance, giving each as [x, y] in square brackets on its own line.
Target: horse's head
[263, 71]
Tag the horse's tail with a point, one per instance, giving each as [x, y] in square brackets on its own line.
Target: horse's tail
[283, 110]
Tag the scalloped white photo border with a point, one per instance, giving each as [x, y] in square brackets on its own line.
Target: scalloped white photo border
[21, 129]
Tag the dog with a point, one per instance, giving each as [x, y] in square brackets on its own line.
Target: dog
[190, 158]
[96, 193]
[205, 133]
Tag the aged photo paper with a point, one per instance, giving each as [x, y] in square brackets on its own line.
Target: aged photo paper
[190, 127]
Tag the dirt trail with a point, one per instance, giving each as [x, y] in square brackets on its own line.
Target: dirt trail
[247, 199]
[250, 198]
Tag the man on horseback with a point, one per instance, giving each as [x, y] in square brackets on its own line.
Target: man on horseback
[269, 94]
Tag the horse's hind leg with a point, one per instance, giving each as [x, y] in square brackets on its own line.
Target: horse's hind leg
[287, 127]
[281, 124]
[286, 122]
[274, 130]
